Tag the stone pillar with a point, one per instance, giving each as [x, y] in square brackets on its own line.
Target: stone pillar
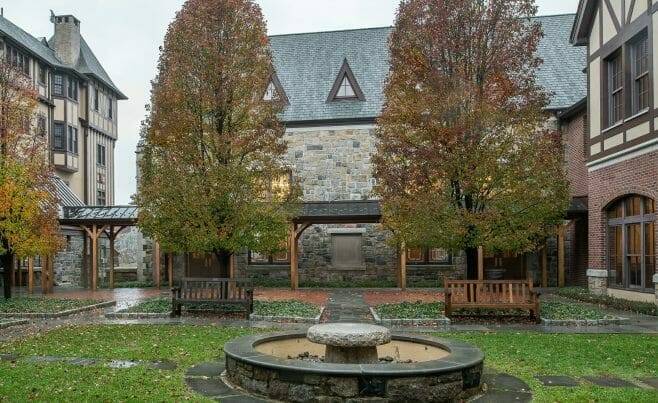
[597, 281]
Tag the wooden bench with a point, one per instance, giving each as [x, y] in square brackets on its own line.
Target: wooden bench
[214, 291]
[491, 294]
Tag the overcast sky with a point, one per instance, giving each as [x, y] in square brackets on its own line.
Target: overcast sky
[125, 36]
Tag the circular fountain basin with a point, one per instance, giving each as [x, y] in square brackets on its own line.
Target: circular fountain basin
[441, 370]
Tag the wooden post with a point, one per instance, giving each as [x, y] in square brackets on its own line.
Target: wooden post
[30, 275]
[157, 264]
[111, 237]
[170, 268]
[560, 256]
[51, 274]
[294, 273]
[44, 275]
[544, 265]
[402, 280]
[480, 263]
[94, 233]
[231, 266]
[20, 272]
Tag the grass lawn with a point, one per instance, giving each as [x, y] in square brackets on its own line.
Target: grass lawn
[42, 305]
[526, 355]
[521, 354]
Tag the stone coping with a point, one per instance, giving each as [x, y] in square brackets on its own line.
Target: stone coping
[295, 319]
[585, 322]
[41, 315]
[409, 322]
[10, 323]
[137, 315]
[462, 356]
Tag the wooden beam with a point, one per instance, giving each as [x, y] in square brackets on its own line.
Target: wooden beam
[157, 264]
[560, 256]
[51, 275]
[30, 275]
[231, 266]
[402, 283]
[480, 263]
[544, 265]
[112, 235]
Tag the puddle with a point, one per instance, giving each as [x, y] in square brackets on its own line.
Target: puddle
[122, 364]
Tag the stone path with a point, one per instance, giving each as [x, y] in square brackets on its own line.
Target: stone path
[348, 305]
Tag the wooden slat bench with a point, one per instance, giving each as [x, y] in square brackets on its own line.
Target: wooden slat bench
[215, 291]
[491, 294]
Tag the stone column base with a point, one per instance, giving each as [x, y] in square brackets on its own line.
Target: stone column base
[597, 281]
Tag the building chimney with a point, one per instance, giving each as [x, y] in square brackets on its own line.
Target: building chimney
[66, 41]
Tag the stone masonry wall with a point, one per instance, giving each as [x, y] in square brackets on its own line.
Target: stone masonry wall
[69, 262]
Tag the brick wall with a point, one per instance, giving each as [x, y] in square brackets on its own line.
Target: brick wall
[634, 176]
[573, 137]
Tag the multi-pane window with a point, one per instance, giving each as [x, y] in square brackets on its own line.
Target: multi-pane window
[270, 92]
[428, 256]
[345, 90]
[632, 242]
[58, 84]
[262, 258]
[96, 99]
[17, 59]
[41, 125]
[640, 73]
[100, 197]
[58, 137]
[100, 154]
[42, 74]
[72, 140]
[615, 90]
[73, 88]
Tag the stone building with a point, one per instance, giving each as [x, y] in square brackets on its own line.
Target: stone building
[77, 112]
[333, 84]
[621, 40]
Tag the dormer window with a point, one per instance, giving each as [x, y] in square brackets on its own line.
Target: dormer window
[270, 92]
[345, 90]
[345, 86]
[275, 90]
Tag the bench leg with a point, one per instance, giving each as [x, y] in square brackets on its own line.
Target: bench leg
[448, 306]
[175, 309]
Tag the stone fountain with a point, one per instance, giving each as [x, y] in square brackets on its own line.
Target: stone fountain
[361, 363]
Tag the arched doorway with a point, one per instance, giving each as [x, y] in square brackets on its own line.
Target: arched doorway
[631, 243]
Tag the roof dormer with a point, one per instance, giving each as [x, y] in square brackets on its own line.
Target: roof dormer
[345, 86]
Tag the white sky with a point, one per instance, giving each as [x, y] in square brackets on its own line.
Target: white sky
[125, 36]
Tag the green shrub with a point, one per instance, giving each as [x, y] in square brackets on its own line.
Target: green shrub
[290, 308]
[582, 294]
[411, 310]
[43, 305]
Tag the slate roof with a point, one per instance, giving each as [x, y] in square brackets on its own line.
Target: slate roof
[307, 66]
[88, 64]
[116, 215]
[362, 211]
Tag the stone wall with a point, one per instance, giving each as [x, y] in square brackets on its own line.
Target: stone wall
[68, 264]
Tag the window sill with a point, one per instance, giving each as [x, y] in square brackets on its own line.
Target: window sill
[610, 128]
[640, 113]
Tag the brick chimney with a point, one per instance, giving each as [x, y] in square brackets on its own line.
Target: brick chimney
[66, 41]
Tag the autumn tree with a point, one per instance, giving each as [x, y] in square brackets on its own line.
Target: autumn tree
[28, 201]
[463, 159]
[212, 171]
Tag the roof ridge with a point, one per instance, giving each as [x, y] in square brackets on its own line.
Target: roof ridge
[332, 31]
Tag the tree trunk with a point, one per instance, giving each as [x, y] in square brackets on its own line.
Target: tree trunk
[224, 260]
[471, 264]
[5, 263]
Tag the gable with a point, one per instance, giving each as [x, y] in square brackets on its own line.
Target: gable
[346, 87]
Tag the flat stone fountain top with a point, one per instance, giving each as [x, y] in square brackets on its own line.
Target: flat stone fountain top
[349, 334]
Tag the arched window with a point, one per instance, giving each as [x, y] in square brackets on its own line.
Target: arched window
[632, 242]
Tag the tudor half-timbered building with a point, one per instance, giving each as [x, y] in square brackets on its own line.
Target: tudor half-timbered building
[77, 112]
[621, 38]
